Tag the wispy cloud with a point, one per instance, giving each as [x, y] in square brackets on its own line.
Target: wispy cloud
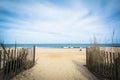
[50, 21]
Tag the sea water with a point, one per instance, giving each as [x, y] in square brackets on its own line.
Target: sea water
[60, 45]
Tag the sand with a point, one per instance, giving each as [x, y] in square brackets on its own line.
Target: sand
[58, 64]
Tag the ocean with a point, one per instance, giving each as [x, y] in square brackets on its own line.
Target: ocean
[59, 45]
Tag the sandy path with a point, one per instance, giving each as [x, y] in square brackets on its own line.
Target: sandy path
[58, 64]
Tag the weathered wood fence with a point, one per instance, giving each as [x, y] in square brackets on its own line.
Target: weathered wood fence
[103, 63]
[14, 61]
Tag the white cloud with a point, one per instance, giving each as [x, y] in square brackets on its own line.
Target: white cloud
[46, 22]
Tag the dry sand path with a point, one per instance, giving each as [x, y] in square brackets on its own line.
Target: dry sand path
[58, 64]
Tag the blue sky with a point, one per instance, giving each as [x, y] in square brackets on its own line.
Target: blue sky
[59, 21]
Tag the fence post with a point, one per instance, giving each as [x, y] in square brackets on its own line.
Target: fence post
[0, 58]
[21, 52]
[7, 65]
[34, 54]
[111, 75]
[15, 61]
[116, 66]
[4, 64]
[87, 56]
[1, 73]
[107, 65]
[11, 63]
[18, 61]
[119, 66]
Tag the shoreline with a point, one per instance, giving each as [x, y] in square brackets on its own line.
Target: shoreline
[60, 45]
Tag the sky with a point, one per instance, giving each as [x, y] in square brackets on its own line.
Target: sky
[59, 21]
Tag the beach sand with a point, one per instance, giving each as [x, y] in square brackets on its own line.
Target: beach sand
[58, 64]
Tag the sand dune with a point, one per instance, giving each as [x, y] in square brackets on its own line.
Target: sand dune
[58, 64]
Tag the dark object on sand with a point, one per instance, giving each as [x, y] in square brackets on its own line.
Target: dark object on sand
[80, 49]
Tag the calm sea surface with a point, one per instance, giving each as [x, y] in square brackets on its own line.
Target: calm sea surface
[59, 45]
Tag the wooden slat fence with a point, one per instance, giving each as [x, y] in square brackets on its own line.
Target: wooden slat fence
[103, 63]
[15, 61]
